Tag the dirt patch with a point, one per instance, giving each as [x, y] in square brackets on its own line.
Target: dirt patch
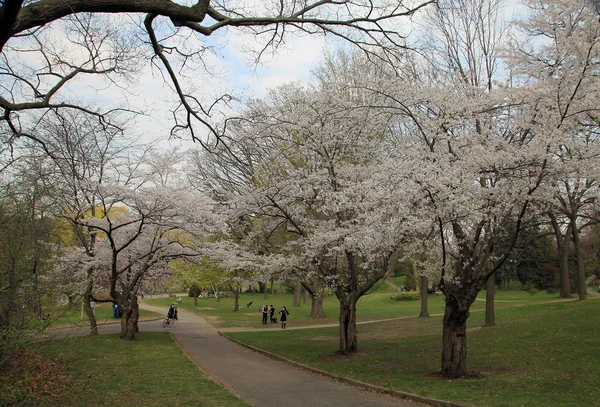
[206, 308]
[472, 374]
[31, 376]
[325, 338]
[341, 356]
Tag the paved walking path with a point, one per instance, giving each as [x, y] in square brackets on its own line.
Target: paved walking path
[258, 379]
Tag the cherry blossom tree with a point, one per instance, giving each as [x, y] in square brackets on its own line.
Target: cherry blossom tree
[319, 185]
[78, 153]
[146, 219]
[485, 157]
[479, 179]
[560, 55]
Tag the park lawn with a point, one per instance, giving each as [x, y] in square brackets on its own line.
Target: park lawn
[150, 371]
[537, 355]
[72, 315]
[371, 307]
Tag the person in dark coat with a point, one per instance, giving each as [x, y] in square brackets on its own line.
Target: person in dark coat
[265, 313]
[271, 313]
[284, 313]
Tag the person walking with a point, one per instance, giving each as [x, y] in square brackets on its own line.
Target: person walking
[284, 313]
[265, 314]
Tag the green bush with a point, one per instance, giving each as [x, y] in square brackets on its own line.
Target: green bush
[405, 297]
[194, 291]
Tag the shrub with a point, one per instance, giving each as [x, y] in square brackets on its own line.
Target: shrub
[194, 291]
[405, 297]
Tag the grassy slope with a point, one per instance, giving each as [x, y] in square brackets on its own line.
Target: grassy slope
[151, 371]
[537, 355]
[103, 312]
[376, 305]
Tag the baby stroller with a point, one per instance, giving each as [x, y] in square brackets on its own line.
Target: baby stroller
[274, 320]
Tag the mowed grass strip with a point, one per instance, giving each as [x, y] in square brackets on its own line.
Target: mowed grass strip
[537, 355]
[62, 316]
[374, 306]
[150, 371]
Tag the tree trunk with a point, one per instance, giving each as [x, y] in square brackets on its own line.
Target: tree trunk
[297, 291]
[272, 286]
[87, 298]
[305, 297]
[562, 248]
[195, 299]
[423, 284]
[417, 278]
[581, 286]
[316, 309]
[129, 319]
[454, 342]
[348, 332]
[565, 283]
[490, 318]
[236, 300]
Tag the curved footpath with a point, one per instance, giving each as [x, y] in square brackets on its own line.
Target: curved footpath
[261, 380]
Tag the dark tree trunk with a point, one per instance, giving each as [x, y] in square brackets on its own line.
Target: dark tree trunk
[236, 300]
[562, 248]
[423, 285]
[87, 298]
[581, 286]
[129, 319]
[490, 318]
[297, 291]
[262, 288]
[272, 286]
[195, 299]
[417, 278]
[348, 332]
[316, 289]
[565, 283]
[454, 342]
[316, 306]
[305, 297]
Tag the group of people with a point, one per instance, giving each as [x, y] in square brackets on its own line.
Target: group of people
[268, 314]
[205, 292]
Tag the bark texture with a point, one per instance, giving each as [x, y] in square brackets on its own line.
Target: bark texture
[454, 341]
[490, 317]
[581, 285]
[348, 332]
[423, 285]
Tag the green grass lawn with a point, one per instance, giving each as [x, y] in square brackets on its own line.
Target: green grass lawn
[103, 311]
[106, 371]
[537, 355]
[374, 306]
[541, 353]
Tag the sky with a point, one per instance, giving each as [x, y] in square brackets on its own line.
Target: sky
[232, 72]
